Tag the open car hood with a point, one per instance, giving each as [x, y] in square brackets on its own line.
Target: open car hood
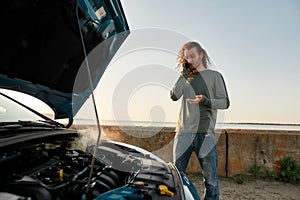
[45, 43]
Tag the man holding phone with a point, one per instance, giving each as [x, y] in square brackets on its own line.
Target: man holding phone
[203, 92]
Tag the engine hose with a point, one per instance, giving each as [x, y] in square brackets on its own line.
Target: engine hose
[80, 173]
[107, 180]
[112, 174]
[101, 187]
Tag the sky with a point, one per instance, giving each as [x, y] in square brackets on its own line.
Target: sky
[254, 44]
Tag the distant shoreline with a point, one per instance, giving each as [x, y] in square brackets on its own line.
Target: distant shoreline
[262, 123]
[226, 125]
[157, 122]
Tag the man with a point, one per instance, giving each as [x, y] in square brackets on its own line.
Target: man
[203, 92]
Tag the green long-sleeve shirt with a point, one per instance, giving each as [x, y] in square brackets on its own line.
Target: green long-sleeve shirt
[201, 117]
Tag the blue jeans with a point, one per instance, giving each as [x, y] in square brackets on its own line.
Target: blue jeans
[205, 148]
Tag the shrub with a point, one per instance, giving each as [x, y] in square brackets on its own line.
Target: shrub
[289, 170]
[255, 170]
[270, 175]
[239, 179]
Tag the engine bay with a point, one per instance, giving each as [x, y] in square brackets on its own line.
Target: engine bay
[52, 169]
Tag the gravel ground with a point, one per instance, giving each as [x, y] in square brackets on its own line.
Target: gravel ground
[251, 188]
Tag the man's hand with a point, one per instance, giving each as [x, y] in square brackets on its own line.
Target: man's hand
[196, 100]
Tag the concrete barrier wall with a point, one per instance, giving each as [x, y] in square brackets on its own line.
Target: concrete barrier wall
[264, 148]
[238, 149]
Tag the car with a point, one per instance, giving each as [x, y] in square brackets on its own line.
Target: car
[45, 45]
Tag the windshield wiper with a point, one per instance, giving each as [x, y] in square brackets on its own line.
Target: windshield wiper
[10, 125]
[30, 125]
[52, 122]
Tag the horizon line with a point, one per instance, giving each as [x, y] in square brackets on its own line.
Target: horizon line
[246, 123]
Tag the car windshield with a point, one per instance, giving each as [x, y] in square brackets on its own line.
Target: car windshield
[11, 111]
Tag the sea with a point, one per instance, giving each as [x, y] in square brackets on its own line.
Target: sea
[261, 126]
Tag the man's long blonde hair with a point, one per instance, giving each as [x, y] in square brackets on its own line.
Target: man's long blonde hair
[189, 45]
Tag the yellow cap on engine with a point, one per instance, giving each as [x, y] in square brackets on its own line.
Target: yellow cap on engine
[61, 174]
[163, 190]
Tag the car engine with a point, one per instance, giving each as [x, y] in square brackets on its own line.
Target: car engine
[49, 168]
